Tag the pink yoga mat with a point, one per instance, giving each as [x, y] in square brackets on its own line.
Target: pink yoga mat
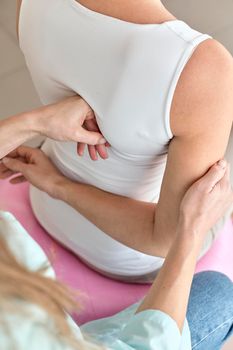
[101, 296]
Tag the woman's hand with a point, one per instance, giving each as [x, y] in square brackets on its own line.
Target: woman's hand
[206, 200]
[34, 166]
[72, 119]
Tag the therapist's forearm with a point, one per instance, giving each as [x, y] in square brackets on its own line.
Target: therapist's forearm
[129, 221]
[16, 130]
[171, 289]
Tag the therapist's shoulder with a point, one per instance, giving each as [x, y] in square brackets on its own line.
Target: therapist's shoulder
[204, 90]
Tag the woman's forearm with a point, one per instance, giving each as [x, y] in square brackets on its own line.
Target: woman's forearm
[170, 291]
[129, 221]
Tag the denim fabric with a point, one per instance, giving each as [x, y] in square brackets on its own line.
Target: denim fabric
[210, 310]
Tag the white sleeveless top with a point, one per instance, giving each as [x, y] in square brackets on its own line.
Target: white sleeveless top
[128, 74]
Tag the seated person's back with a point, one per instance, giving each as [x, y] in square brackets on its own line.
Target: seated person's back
[127, 68]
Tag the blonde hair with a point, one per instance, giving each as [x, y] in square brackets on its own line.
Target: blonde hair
[17, 282]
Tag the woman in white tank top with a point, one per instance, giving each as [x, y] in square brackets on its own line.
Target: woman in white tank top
[157, 91]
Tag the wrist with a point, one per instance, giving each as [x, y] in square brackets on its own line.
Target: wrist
[188, 239]
[37, 120]
[61, 188]
[19, 128]
[30, 123]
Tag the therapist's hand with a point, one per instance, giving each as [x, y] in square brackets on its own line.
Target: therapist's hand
[91, 125]
[34, 166]
[206, 201]
[72, 119]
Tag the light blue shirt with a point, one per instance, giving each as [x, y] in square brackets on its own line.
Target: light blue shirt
[34, 330]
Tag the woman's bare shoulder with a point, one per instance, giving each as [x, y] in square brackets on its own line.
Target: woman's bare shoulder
[204, 91]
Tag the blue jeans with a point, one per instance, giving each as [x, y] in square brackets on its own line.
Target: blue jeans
[210, 310]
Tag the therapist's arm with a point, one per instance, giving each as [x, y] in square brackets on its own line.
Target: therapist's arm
[201, 207]
[16, 130]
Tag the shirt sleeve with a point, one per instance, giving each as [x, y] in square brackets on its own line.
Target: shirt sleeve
[147, 330]
[153, 329]
[25, 249]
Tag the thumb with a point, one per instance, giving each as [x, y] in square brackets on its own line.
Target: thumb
[214, 175]
[90, 137]
[14, 164]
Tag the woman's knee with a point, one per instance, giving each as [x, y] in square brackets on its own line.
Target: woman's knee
[210, 309]
[216, 283]
[211, 287]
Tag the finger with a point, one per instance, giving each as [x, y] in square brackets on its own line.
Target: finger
[90, 115]
[92, 152]
[90, 137]
[101, 149]
[17, 152]
[8, 173]
[225, 181]
[81, 148]
[23, 152]
[91, 125]
[17, 180]
[14, 164]
[214, 175]
[3, 169]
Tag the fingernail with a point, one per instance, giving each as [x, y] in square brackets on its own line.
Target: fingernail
[102, 141]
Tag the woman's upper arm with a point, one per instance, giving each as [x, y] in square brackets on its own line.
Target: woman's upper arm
[201, 120]
[18, 5]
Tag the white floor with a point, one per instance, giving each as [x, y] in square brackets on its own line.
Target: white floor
[17, 92]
